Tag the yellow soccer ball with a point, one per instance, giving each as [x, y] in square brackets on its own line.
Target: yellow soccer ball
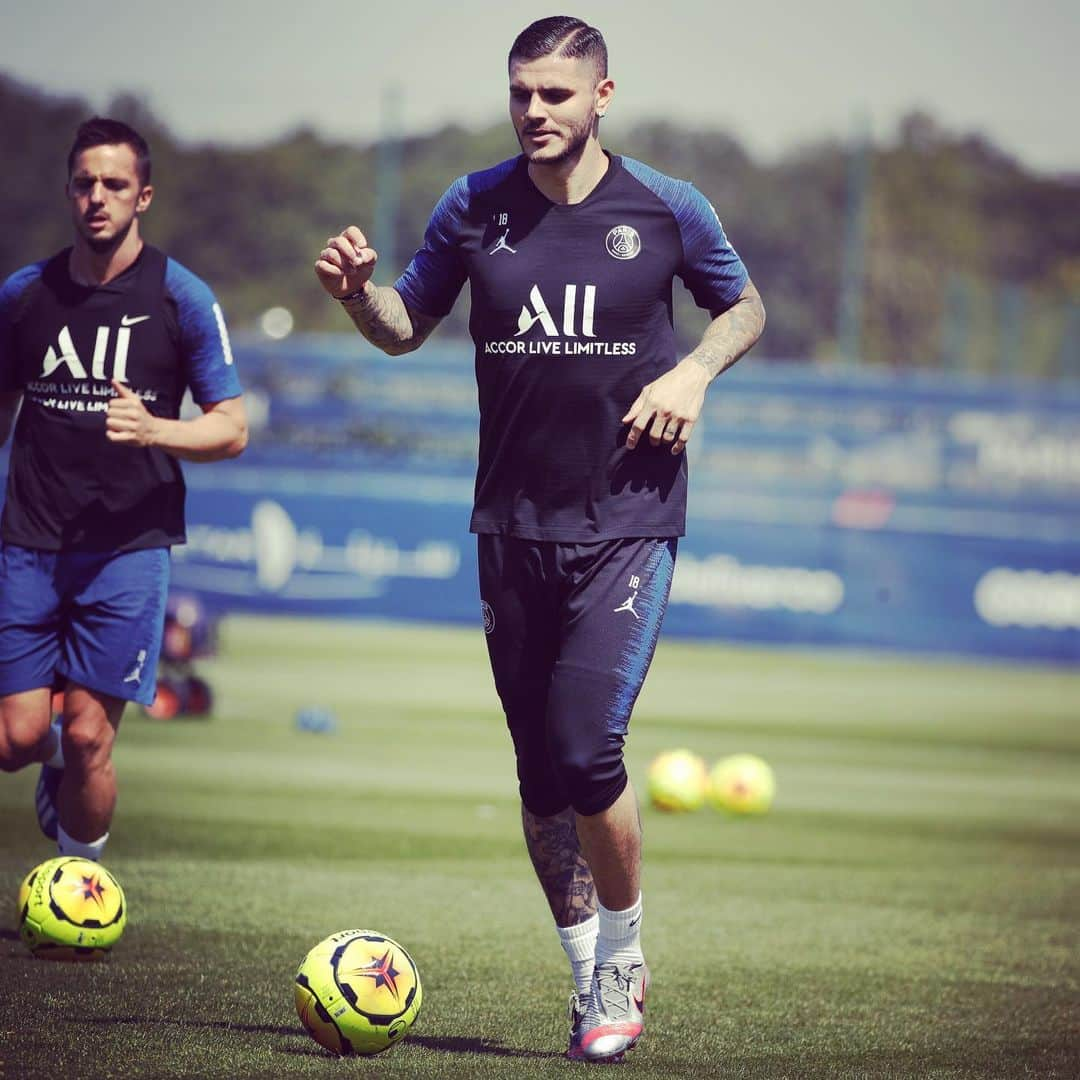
[357, 992]
[24, 891]
[742, 784]
[677, 781]
[71, 909]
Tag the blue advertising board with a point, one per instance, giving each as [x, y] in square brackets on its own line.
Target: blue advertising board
[321, 542]
[852, 508]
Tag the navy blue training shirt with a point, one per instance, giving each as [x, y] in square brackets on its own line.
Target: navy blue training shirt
[156, 327]
[571, 318]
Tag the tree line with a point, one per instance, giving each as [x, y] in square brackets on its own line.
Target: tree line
[963, 257]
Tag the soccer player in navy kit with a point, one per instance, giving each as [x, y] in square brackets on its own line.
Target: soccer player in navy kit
[581, 484]
[98, 344]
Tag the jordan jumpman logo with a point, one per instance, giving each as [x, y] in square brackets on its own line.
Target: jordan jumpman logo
[502, 245]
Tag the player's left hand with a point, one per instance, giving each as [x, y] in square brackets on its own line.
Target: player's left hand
[128, 420]
[668, 408]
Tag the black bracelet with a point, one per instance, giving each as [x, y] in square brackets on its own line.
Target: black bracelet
[350, 296]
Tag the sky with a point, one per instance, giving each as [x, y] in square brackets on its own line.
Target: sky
[774, 73]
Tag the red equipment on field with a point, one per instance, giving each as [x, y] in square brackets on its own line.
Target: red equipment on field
[190, 633]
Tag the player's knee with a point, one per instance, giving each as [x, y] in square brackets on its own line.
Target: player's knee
[541, 789]
[542, 792]
[14, 753]
[21, 732]
[87, 740]
[593, 778]
[543, 798]
[598, 795]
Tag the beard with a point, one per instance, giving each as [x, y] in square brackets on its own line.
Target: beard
[101, 245]
[576, 139]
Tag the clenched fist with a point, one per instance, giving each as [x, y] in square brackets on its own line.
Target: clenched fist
[128, 420]
[346, 263]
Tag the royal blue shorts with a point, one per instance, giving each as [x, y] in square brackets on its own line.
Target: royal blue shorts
[571, 630]
[93, 618]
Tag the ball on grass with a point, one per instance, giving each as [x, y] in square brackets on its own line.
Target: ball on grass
[677, 781]
[71, 909]
[357, 992]
[742, 784]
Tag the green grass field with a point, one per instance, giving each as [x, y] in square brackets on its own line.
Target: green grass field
[910, 908]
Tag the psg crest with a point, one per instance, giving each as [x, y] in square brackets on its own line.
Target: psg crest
[623, 242]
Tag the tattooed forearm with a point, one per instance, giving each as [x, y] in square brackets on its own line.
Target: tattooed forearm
[382, 317]
[563, 872]
[732, 334]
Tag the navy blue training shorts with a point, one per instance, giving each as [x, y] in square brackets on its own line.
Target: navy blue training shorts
[571, 630]
[94, 618]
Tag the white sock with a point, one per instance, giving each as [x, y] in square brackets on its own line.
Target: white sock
[81, 849]
[579, 943]
[619, 938]
[56, 754]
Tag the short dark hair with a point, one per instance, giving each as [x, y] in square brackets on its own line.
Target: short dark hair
[561, 35]
[101, 131]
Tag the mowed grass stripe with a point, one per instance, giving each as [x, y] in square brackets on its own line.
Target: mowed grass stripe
[908, 909]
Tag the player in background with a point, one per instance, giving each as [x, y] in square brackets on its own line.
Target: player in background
[580, 496]
[97, 344]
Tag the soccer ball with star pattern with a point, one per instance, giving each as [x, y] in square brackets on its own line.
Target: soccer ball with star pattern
[71, 909]
[357, 992]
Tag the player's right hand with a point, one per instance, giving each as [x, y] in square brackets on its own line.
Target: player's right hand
[346, 263]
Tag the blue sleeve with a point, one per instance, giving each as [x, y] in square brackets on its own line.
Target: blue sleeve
[204, 340]
[432, 281]
[711, 269]
[11, 293]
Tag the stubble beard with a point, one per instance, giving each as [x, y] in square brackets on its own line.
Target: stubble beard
[575, 143]
[107, 245]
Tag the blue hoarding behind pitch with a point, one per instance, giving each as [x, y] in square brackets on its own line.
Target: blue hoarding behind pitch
[853, 508]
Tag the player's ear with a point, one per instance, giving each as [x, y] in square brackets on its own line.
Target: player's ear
[143, 202]
[605, 91]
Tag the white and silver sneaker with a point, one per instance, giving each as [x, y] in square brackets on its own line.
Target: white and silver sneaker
[575, 1013]
[615, 1017]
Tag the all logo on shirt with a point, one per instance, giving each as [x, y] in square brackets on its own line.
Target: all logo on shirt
[569, 332]
[623, 242]
[541, 314]
[64, 352]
